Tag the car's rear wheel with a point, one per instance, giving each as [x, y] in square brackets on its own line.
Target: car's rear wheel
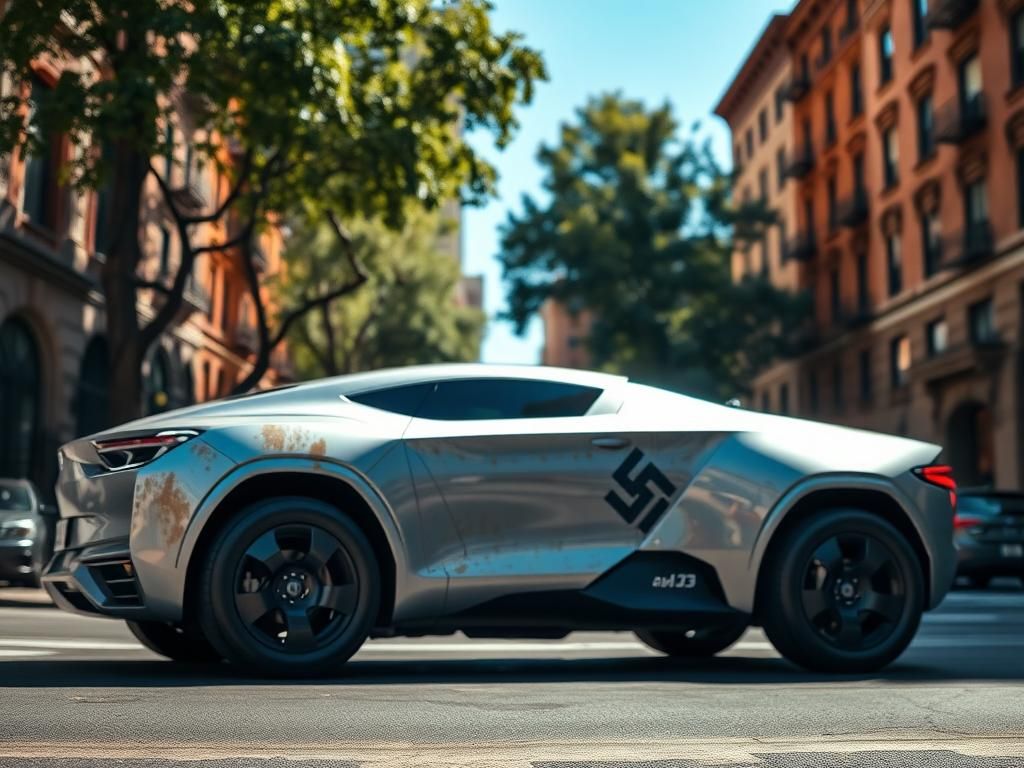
[290, 588]
[695, 643]
[843, 591]
[174, 642]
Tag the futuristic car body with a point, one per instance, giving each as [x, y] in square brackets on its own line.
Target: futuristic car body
[279, 530]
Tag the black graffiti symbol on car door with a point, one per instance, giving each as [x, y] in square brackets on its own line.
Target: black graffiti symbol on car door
[638, 488]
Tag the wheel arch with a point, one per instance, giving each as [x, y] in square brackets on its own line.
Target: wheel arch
[340, 488]
[869, 494]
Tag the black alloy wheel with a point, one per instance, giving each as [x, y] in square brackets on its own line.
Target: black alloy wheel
[290, 587]
[296, 588]
[853, 591]
[842, 591]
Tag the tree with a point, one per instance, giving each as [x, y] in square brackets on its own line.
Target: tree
[638, 226]
[346, 107]
[405, 313]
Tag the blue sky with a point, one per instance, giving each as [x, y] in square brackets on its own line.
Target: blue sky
[684, 51]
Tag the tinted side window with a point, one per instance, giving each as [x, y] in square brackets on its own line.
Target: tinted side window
[405, 400]
[507, 399]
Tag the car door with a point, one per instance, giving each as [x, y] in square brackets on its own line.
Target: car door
[542, 495]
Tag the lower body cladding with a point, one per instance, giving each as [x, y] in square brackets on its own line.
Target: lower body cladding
[98, 580]
[667, 591]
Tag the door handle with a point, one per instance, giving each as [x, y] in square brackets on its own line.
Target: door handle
[610, 443]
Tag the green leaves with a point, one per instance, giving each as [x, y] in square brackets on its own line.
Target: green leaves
[639, 228]
[405, 313]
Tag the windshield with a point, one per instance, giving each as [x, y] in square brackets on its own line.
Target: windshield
[14, 498]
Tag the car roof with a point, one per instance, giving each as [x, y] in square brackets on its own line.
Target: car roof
[413, 374]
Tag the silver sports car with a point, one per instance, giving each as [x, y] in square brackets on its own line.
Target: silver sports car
[279, 530]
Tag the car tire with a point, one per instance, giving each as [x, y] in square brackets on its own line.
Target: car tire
[842, 592]
[174, 642]
[699, 643]
[291, 588]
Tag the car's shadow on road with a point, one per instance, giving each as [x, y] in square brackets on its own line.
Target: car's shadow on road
[97, 673]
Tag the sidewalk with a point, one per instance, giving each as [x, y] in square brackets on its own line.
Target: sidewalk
[23, 596]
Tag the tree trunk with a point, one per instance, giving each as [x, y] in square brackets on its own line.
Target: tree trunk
[119, 275]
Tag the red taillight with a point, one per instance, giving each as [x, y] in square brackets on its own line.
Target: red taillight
[966, 521]
[128, 452]
[942, 476]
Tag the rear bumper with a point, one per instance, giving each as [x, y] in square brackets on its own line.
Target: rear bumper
[988, 559]
[97, 580]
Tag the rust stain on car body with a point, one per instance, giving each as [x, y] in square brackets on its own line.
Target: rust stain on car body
[162, 502]
[204, 454]
[273, 438]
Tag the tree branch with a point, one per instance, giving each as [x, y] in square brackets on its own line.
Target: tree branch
[233, 195]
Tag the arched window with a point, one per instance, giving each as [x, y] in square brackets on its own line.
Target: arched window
[158, 382]
[20, 399]
[970, 444]
[92, 401]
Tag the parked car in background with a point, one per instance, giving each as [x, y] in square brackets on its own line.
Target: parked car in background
[26, 533]
[989, 534]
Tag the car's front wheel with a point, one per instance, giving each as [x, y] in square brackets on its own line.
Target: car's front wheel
[843, 591]
[289, 588]
[695, 643]
[174, 642]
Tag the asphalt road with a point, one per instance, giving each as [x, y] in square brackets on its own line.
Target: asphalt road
[81, 692]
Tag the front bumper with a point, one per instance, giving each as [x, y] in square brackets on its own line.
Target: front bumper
[16, 558]
[97, 580]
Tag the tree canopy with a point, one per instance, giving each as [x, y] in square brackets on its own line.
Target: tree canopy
[405, 313]
[352, 107]
[637, 224]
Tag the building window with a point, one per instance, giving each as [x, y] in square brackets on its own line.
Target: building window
[865, 375]
[809, 217]
[925, 128]
[858, 173]
[856, 91]
[834, 295]
[92, 395]
[784, 399]
[780, 105]
[899, 361]
[737, 157]
[833, 204]
[1020, 187]
[982, 321]
[894, 263]
[750, 143]
[830, 119]
[762, 184]
[826, 46]
[40, 178]
[780, 167]
[21, 391]
[766, 401]
[1017, 47]
[891, 157]
[970, 83]
[165, 250]
[862, 282]
[919, 9]
[837, 385]
[762, 125]
[931, 241]
[812, 391]
[976, 204]
[938, 337]
[885, 51]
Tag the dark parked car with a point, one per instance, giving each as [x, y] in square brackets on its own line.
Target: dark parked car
[989, 534]
[26, 533]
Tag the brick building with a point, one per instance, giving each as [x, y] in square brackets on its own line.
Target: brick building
[908, 123]
[53, 348]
